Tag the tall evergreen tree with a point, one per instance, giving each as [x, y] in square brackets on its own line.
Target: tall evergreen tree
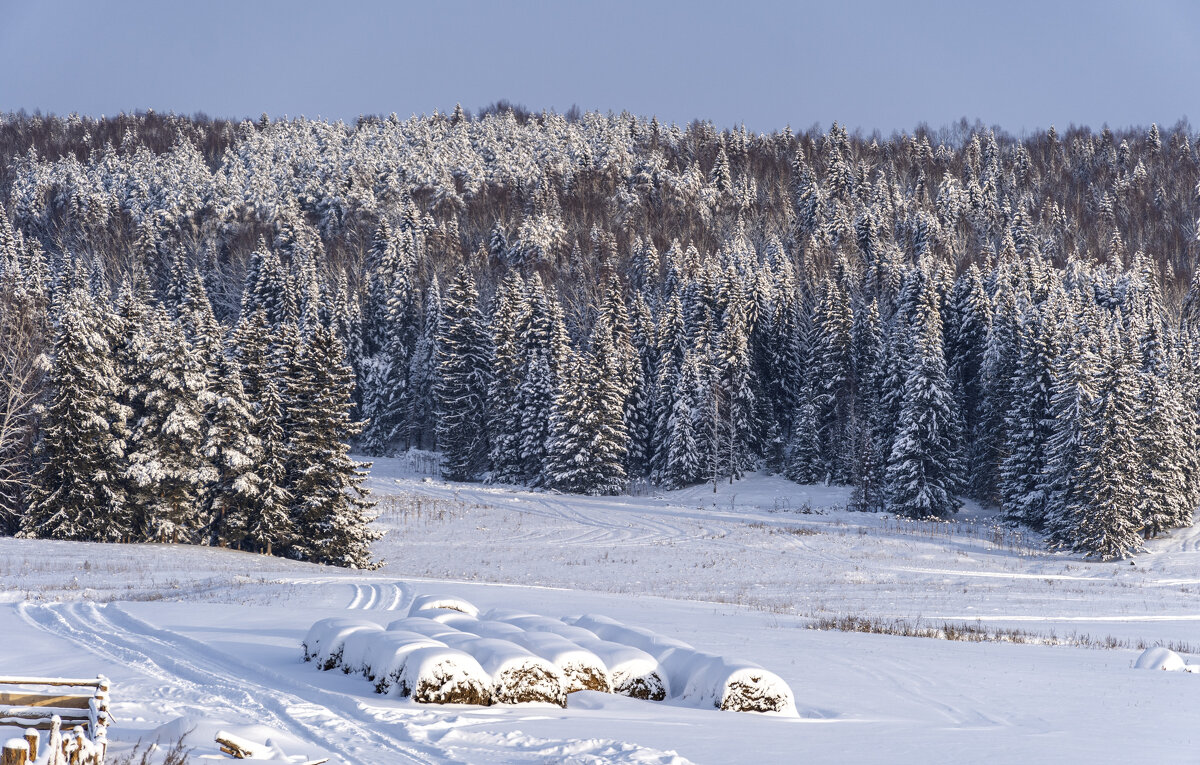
[329, 512]
[78, 491]
[463, 380]
[922, 471]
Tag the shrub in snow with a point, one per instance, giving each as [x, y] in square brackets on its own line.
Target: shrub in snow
[442, 675]
[1161, 658]
[435, 602]
[518, 677]
[324, 641]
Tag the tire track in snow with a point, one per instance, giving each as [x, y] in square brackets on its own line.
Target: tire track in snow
[377, 597]
[214, 679]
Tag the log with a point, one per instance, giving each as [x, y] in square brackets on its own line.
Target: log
[15, 752]
[33, 739]
[70, 701]
[96, 682]
[240, 748]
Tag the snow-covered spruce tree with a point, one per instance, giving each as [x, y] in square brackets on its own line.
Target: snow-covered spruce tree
[166, 468]
[266, 287]
[268, 523]
[537, 388]
[867, 346]
[737, 387]
[831, 365]
[506, 374]
[78, 490]
[1028, 424]
[1104, 519]
[387, 404]
[999, 370]
[681, 460]
[235, 453]
[966, 346]
[922, 470]
[330, 514]
[422, 371]
[641, 403]
[1075, 376]
[462, 382]
[587, 445]
[1161, 441]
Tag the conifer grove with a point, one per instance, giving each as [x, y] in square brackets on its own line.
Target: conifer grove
[199, 319]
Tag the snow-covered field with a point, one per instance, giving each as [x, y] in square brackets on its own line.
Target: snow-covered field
[201, 639]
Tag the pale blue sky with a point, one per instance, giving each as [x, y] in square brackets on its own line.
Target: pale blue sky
[875, 65]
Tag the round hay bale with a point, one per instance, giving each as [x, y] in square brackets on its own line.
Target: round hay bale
[632, 671]
[518, 676]
[610, 629]
[384, 659]
[438, 602]
[422, 625]
[582, 670]
[729, 684]
[443, 675]
[324, 641]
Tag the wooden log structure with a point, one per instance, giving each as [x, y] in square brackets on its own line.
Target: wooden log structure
[77, 722]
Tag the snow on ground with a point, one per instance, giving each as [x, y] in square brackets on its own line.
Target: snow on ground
[206, 639]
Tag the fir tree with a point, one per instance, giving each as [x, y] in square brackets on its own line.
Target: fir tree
[462, 383]
[78, 491]
[922, 470]
[166, 467]
[329, 511]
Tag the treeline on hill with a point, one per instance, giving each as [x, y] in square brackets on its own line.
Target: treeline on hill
[198, 314]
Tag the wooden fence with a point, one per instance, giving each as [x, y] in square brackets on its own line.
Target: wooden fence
[76, 720]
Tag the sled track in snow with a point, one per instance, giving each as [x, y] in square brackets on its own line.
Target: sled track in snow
[212, 679]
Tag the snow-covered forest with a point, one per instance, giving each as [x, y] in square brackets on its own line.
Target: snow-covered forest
[198, 318]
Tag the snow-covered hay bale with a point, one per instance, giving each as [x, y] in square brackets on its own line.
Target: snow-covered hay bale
[384, 658]
[518, 676]
[507, 614]
[442, 675]
[728, 684]
[355, 648]
[454, 619]
[324, 641]
[582, 670]
[437, 602]
[531, 623]
[1160, 658]
[419, 624]
[610, 629]
[632, 672]
[490, 629]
